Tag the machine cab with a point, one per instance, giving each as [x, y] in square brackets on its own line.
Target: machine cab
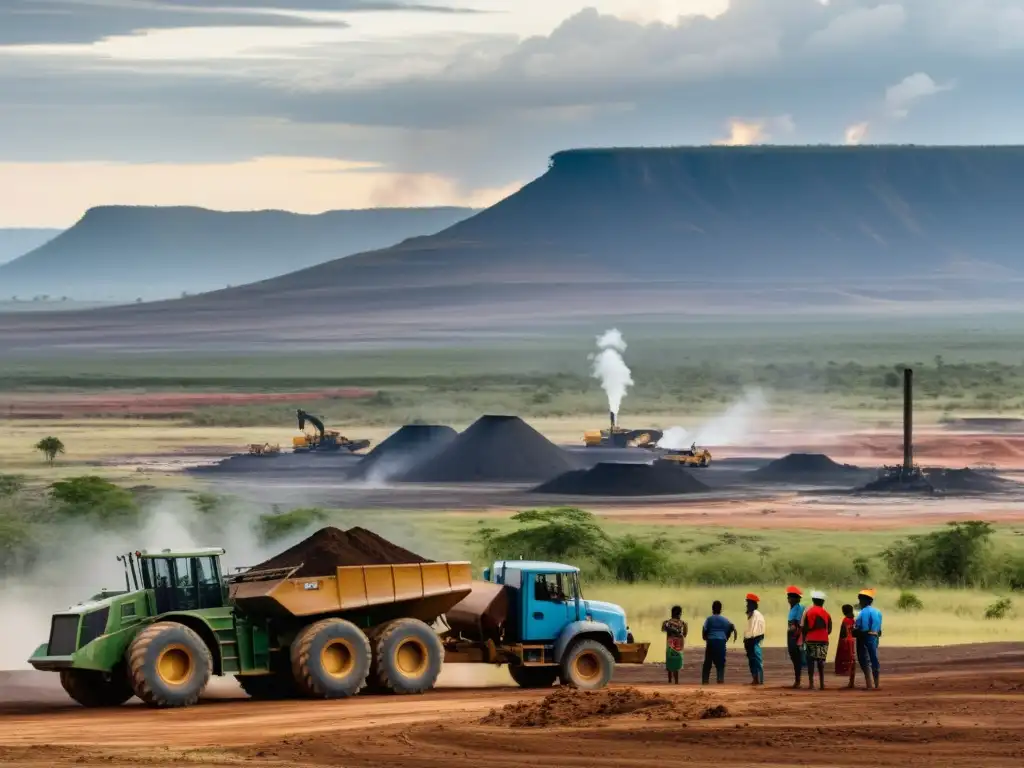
[183, 581]
[549, 596]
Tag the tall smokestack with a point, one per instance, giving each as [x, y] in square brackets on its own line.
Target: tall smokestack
[908, 422]
[611, 416]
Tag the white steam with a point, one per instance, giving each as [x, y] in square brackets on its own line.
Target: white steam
[734, 426]
[610, 369]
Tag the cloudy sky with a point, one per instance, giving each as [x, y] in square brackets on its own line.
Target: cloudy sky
[310, 105]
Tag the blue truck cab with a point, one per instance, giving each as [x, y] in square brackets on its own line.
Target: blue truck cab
[556, 632]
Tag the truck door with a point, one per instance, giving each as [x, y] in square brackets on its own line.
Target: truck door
[549, 604]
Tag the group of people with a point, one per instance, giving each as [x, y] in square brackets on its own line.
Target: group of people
[807, 638]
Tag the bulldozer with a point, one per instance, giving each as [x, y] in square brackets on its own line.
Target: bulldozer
[382, 628]
[324, 439]
[693, 457]
[619, 437]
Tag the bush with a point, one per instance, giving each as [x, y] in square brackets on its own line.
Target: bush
[11, 484]
[908, 601]
[276, 525]
[956, 556]
[999, 609]
[93, 497]
[630, 560]
[207, 503]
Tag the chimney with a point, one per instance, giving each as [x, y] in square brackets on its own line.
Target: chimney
[908, 422]
[611, 415]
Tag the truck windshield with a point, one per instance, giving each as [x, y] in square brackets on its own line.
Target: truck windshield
[183, 583]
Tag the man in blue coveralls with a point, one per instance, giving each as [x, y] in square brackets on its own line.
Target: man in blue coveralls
[867, 628]
[716, 632]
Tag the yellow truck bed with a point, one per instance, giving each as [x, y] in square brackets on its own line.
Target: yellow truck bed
[426, 590]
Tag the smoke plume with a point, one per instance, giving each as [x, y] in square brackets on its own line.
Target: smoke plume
[731, 427]
[610, 369]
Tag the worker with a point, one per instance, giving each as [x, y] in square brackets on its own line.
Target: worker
[675, 630]
[846, 651]
[794, 634]
[753, 636]
[816, 628]
[868, 629]
[716, 633]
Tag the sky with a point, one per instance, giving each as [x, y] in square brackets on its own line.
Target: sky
[311, 105]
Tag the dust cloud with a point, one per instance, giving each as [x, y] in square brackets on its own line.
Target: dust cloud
[736, 425]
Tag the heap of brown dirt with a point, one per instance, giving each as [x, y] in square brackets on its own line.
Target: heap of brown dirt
[611, 479]
[497, 449]
[331, 547]
[569, 706]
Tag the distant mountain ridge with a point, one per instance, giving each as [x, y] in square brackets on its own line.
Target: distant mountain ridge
[15, 242]
[617, 233]
[124, 252]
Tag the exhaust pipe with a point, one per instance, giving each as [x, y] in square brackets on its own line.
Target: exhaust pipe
[908, 423]
[611, 416]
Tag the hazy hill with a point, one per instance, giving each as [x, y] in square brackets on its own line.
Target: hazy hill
[122, 252]
[609, 233]
[17, 242]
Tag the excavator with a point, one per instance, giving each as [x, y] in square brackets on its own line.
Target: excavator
[620, 437]
[324, 439]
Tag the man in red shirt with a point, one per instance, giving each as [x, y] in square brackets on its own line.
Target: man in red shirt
[816, 626]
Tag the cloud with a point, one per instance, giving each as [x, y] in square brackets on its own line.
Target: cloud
[301, 184]
[856, 134]
[761, 131]
[911, 89]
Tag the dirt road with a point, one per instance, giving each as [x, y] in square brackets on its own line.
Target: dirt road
[937, 707]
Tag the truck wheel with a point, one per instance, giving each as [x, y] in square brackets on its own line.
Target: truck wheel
[587, 665]
[533, 677]
[169, 665]
[97, 689]
[407, 657]
[330, 659]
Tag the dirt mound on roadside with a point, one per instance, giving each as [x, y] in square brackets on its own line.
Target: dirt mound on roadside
[569, 707]
[813, 468]
[493, 449]
[332, 547]
[402, 450]
[610, 479]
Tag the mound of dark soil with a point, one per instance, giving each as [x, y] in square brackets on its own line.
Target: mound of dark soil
[608, 479]
[493, 449]
[402, 450]
[942, 481]
[569, 706]
[332, 547]
[806, 468]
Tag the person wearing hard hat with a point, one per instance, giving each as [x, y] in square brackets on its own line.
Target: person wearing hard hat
[867, 629]
[816, 627]
[753, 636]
[794, 636]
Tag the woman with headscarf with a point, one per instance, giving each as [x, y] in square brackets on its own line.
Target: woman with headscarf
[675, 630]
[846, 651]
[816, 627]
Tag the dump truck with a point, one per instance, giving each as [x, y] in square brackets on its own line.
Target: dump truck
[693, 457]
[264, 449]
[373, 628]
[620, 437]
[323, 439]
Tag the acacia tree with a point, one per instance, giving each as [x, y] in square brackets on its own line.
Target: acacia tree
[50, 447]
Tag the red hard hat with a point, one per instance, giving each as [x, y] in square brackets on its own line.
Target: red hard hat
[794, 591]
[753, 598]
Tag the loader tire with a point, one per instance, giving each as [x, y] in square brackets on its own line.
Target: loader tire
[587, 665]
[330, 659]
[533, 677]
[407, 657]
[169, 665]
[97, 689]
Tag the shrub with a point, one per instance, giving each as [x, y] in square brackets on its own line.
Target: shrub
[93, 497]
[276, 525]
[908, 601]
[11, 484]
[546, 534]
[955, 556]
[999, 609]
[630, 560]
